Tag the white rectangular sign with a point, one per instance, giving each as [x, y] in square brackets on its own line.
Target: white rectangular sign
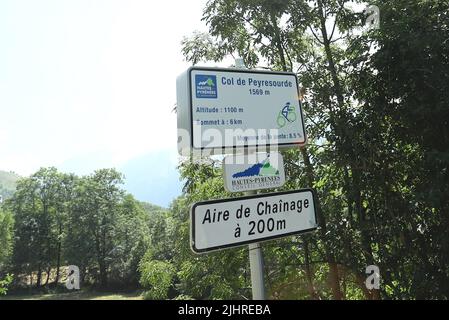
[253, 172]
[219, 224]
[230, 108]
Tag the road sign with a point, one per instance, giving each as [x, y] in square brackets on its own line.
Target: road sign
[253, 172]
[229, 108]
[219, 224]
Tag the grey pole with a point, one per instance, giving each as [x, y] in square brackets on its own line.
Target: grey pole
[256, 265]
[255, 250]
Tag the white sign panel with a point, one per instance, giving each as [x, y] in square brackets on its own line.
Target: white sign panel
[219, 224]
[228, 108]
[253, 172]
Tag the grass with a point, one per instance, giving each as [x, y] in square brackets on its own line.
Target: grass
[78, 295]
[61, 293]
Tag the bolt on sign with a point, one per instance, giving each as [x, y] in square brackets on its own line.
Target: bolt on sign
[253, 172]
[222, 109]
[219, 224]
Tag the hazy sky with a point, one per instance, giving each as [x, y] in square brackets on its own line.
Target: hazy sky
[81, 77]
[86, 84]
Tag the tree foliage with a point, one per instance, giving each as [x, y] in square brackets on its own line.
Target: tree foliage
[156, 277]
[89, 221]
[377, 118]
[6, 237]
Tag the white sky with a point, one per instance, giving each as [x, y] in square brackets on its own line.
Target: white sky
[89, 79]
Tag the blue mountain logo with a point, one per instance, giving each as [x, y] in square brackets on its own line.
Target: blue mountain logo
[209, 82]
[206, 86]
[262, 169]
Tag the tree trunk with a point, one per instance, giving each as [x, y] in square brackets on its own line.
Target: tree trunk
[103, 268]
[48, 276]
[334, 278]
[329, 55]
[278, 40]
[103, 275]
[365, 236]
[39, 276]
[101, 261]
[360, 280]
[58, 262]
[309, 276]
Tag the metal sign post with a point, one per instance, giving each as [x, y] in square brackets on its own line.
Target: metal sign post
[255, 259]
[256, 266]
[254, 249]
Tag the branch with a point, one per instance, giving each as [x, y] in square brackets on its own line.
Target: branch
[336, 18]
[316, 37]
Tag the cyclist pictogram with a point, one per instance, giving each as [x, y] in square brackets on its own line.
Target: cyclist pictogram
[286, 115]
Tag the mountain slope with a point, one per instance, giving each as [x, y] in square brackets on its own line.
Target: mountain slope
[8, 182]
[153, 178]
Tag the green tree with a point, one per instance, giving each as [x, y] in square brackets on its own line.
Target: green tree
[107, 230]
[6, 238]
[38, 207]
[85, 221]
[93, 216]
[4, 283]
[156, 277]
[376, 116]
[403, 88]
[131, 242]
